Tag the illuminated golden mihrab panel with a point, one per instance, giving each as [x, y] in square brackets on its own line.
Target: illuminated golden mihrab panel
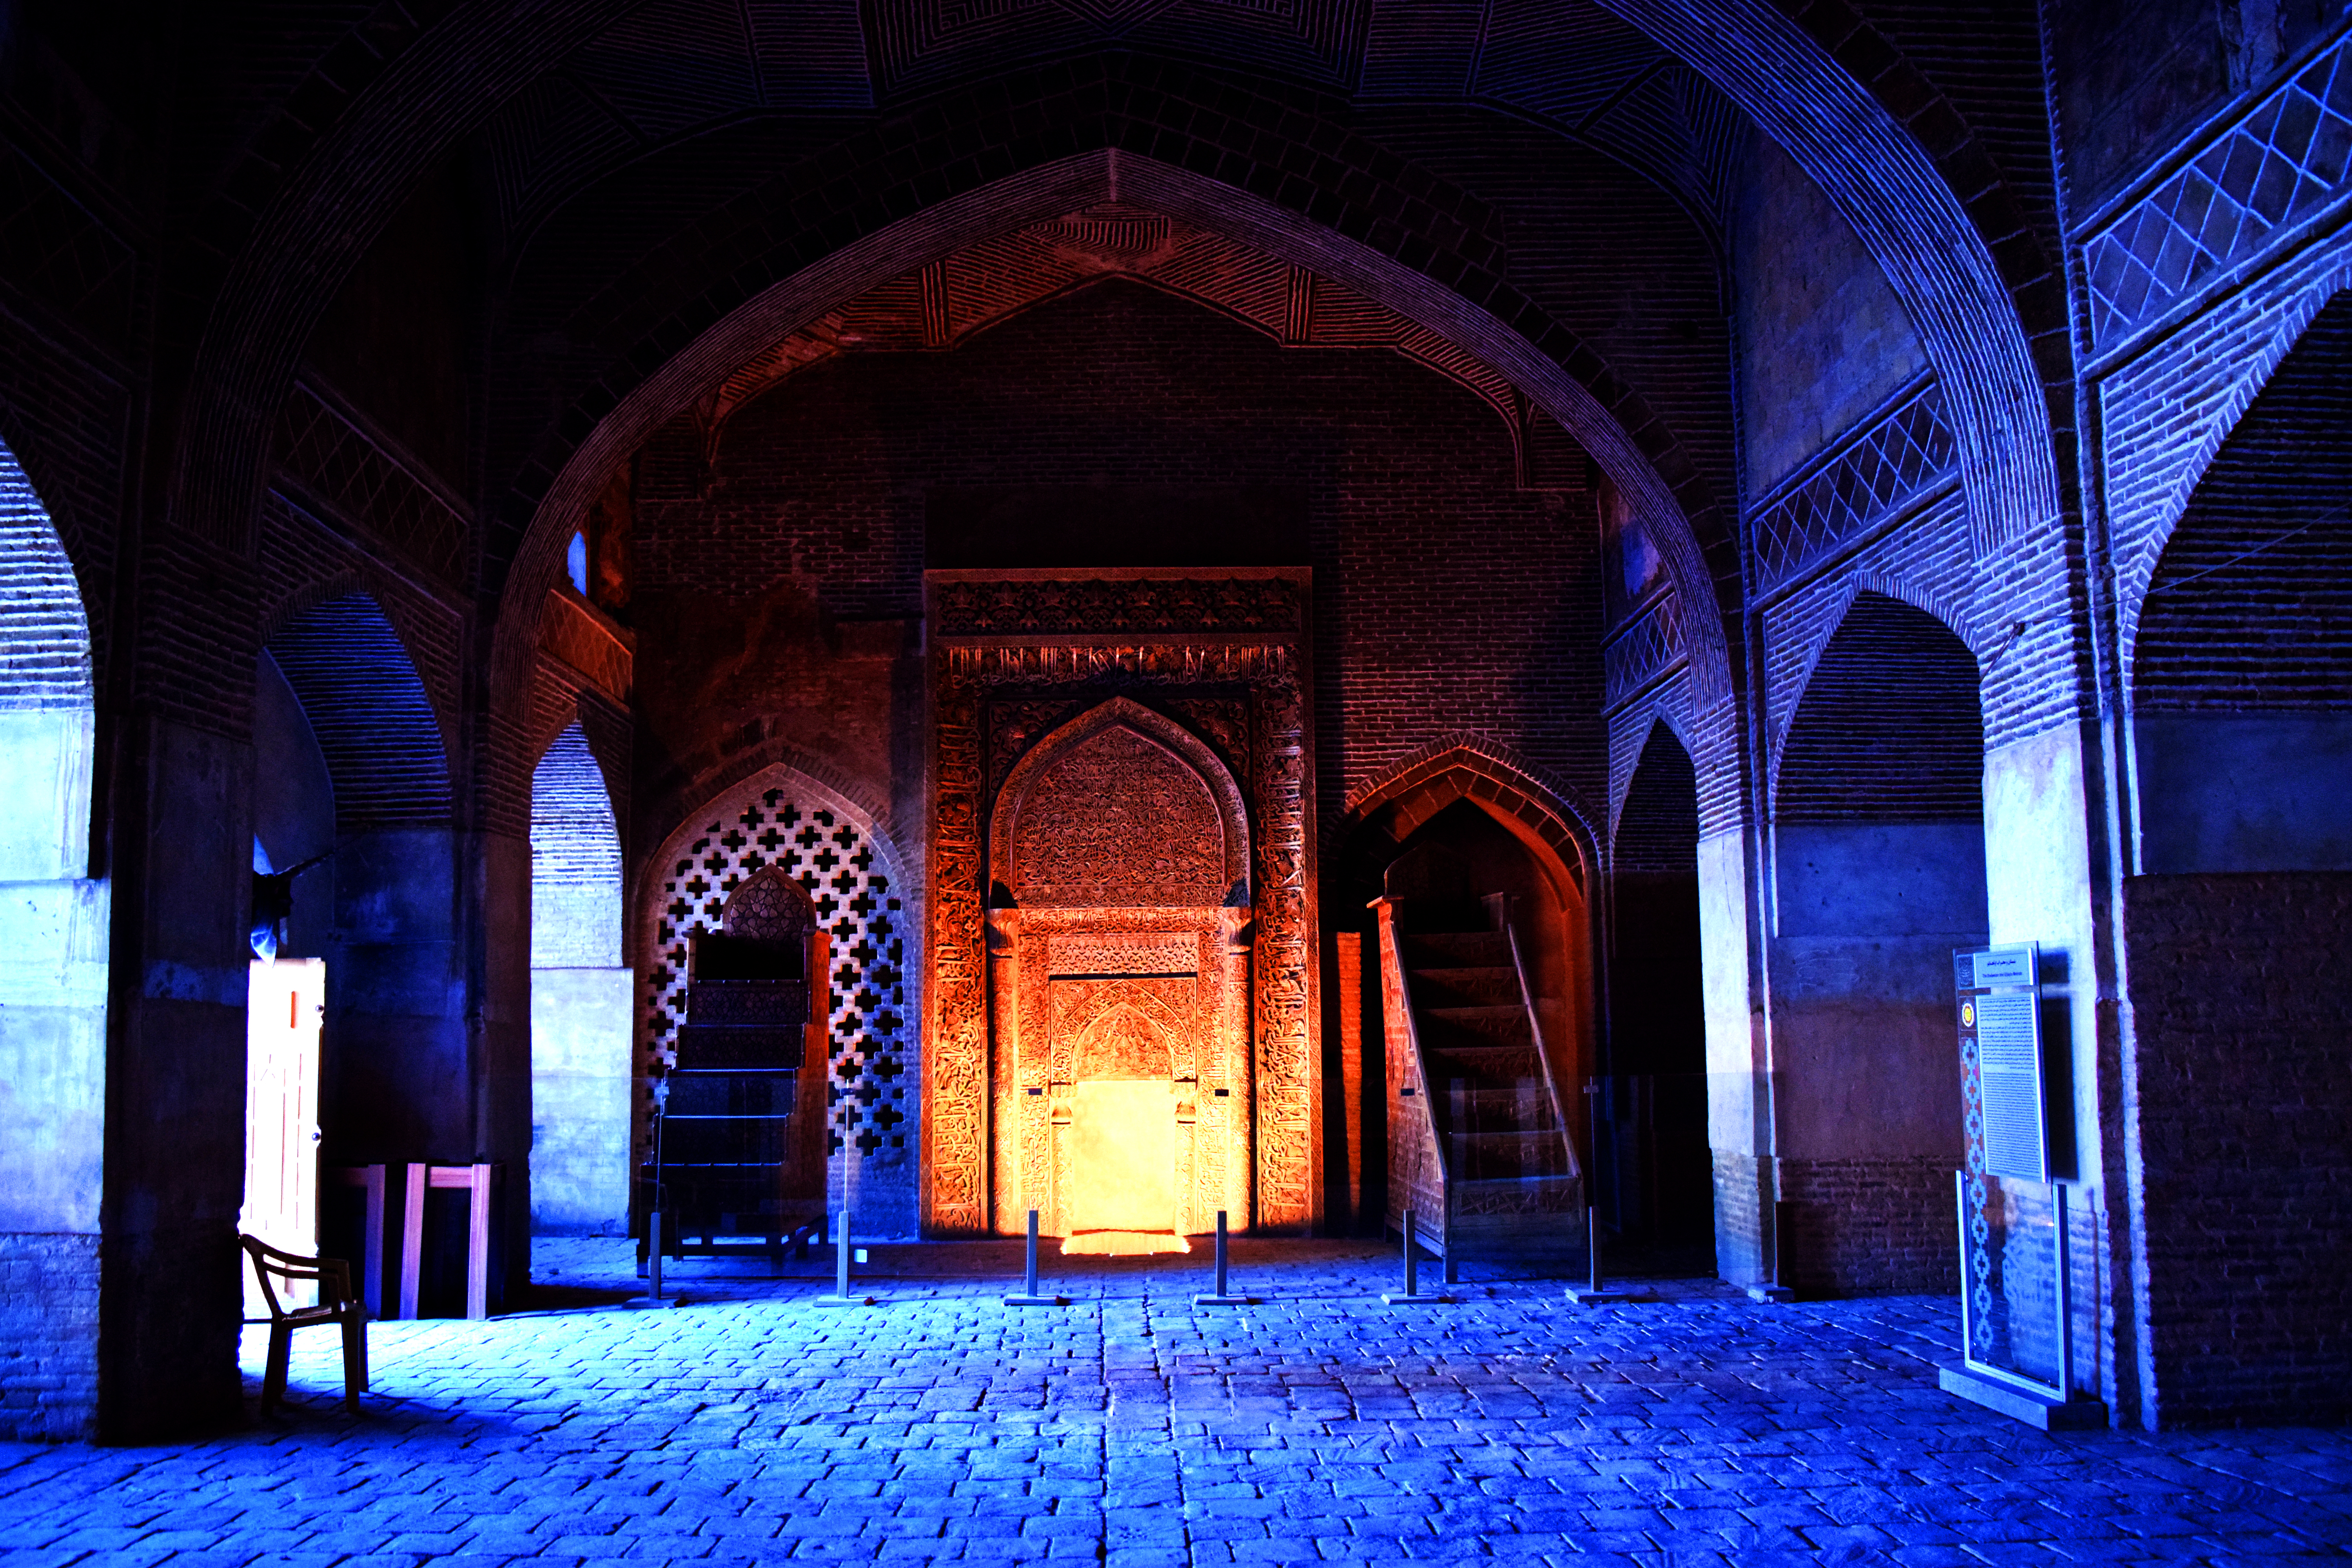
[1122, 822]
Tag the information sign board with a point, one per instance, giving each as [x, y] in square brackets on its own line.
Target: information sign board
[2001, 1060]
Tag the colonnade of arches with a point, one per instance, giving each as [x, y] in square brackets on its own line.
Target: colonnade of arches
[2137, 769]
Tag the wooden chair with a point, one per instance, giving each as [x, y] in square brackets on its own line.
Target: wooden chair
[337, 1304]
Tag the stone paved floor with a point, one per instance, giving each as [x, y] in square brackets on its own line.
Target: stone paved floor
[1132, 1426]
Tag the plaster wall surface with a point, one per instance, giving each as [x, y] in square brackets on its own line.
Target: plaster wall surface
[2131, 77]
[1822, 339]
[1738, 1086]
[44, 776]
[53, 980]
[2248, 792]
[579, 1078]
[1862, 985]
[2038, 888]
[1867, 1075]
[175, 1088]
[395, 1067]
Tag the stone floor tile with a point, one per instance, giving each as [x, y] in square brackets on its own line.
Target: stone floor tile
[745, 1427]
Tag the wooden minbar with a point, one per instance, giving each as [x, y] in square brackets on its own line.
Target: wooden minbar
[738, 1148]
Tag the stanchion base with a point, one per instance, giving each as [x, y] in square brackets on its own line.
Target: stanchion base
[845, 1301]
[1585, 1296]
[1037, 1301]
[1225, 1301]
[649, 1303]
[1419, 1299]
[1779, 1293]
[2046, 1411]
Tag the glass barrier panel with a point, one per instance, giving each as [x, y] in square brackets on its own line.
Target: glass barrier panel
[2008, 1275]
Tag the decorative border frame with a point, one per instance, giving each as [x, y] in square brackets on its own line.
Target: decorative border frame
[1123, 632]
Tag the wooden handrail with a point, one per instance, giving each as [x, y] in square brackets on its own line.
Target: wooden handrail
[1396, 997]
[1543, 1047]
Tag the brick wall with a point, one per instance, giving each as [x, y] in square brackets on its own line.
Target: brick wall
[1446, 598]
[2249, 606]
[1889, 728]
[1858, 1226]
[48, 1336]
[2237, 992]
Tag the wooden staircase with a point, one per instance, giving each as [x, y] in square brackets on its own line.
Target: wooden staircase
[1476, 1133]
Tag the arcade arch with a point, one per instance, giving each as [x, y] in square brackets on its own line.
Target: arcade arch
[581, 999]
[1878, 860]
[54, 933]
[395, 1052]
[1660, 1175]
[2240, 731]
[1475, 872]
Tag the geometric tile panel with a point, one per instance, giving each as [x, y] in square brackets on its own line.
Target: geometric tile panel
[1857, 484]
[2271, 169]
[830, 857]
[332, 459]
[1636, 653]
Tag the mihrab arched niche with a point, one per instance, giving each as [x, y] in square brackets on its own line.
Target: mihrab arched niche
[1119, 870]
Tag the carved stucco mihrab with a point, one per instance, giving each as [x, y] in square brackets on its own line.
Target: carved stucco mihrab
[1242, 976]
[1118, 821]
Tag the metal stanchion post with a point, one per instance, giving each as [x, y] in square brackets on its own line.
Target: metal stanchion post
[1223, 1297]
[1029, 1296]
[1590, 1294]
[841, 1296]
[653, 1296]
[1412, 1295]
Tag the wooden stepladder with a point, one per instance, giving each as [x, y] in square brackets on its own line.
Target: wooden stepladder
[284, 1002]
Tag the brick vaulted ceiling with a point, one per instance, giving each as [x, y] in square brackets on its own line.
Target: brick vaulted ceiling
[944, 303]
[674, 68]
[1601, 168]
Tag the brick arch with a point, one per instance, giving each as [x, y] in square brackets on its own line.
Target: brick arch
[1890, 724]
[398, 603]
[2133, 574]
[689, 356]
[369, 713]
[1492, 778]
[45, 648]
[280, 236]
[1223, 291]
[1925, 198]
[2242, 608]
[1640, 836]
[680, 797]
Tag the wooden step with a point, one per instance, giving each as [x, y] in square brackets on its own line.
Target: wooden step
[1509, 1156]
[1444, 1029]
[1481, 986]
[1491, 1066]
[1445, 950]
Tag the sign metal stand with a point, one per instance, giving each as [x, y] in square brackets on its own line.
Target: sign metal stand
[2009, 1138]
